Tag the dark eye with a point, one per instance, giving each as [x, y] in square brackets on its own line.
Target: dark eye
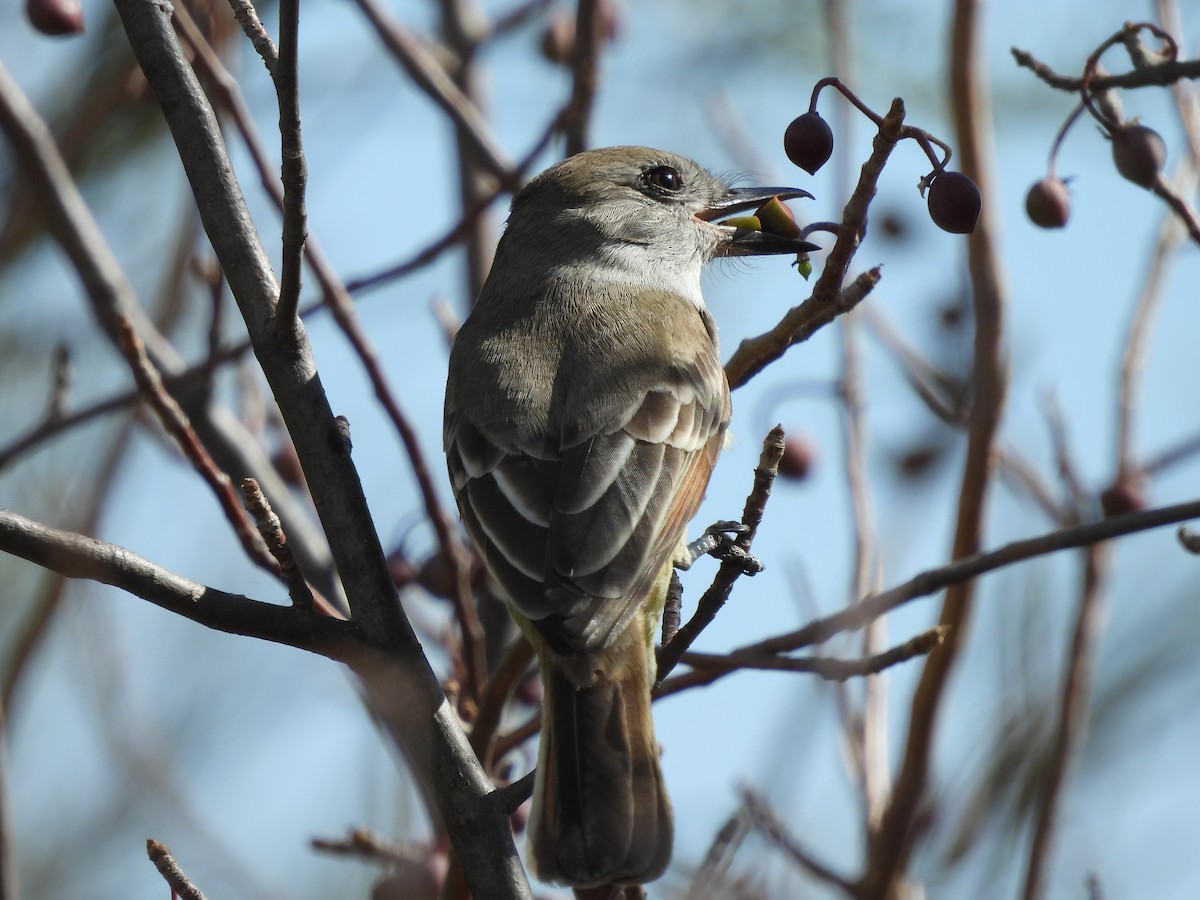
[665, 178]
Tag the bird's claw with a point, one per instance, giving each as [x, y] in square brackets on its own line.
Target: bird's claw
[716, 541]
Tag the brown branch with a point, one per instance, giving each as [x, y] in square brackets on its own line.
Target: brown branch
[585, 63]
[504, 680]
[765, 819]
[174, 876]
[716, 595]
[77, 556]
[932, 580]
[402, 686]
[246, 16]
[294, 170]
[1158, 75]
[366, 845]
[429, 75]
[798, 325]
[176, 424]
[1073, 711]
[891, 842]
[1183, 210]
[272, 533]
[828, 667]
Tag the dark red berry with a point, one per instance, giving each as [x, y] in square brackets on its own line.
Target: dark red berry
[558, 39]
[954, 203]
[798, 458]
[808, 142]
[436, 575]
[1139, 153]
[1048, 204]
[1126, 494]
[55, 17]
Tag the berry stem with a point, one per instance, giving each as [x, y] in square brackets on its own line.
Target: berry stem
[1061, 136]
[922, 137]
[1170, 51]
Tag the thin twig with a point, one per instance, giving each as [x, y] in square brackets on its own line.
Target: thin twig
[829, 297]
[798, 325]
[1073, 711]
[828, 667]
[181, 886]
[51, 426]
[725, 845]
[969, 567]
[366, 845]
[277, 543]
[294, 170]
[765, 819]
[585, 62]
[429, 75]
[246, 16]
[176, 424]
[716, 595]
[1158, 75]
[503, 681]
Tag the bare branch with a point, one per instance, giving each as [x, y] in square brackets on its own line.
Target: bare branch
[891, 842]
[246, 16]
[429, 75]
[828, 667]
[1158, 75]
[176, 424]
[272, 533]
[171, 872]
[1073, 711]
[798, 325]
[764, 819]
[294, 171]
[76, 556]
[970, 567]
[402, 686]
[714, 598]
[585, 63]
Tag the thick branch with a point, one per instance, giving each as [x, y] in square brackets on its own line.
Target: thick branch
[891, 843]
[401, 684]
[77, 556]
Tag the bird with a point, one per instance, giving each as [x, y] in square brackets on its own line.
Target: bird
[586, 405]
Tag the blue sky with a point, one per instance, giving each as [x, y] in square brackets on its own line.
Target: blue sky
[247, 751]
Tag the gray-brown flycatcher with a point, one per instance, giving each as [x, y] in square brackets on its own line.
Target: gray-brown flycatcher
[585, 407]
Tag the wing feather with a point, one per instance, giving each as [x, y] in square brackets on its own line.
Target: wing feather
[577, 518]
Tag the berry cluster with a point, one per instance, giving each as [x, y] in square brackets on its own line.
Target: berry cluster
[953, 198]
[1138, 151]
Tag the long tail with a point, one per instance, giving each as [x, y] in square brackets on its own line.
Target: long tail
[600, 809]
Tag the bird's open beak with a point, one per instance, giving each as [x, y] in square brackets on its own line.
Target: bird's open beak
[749, 241]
